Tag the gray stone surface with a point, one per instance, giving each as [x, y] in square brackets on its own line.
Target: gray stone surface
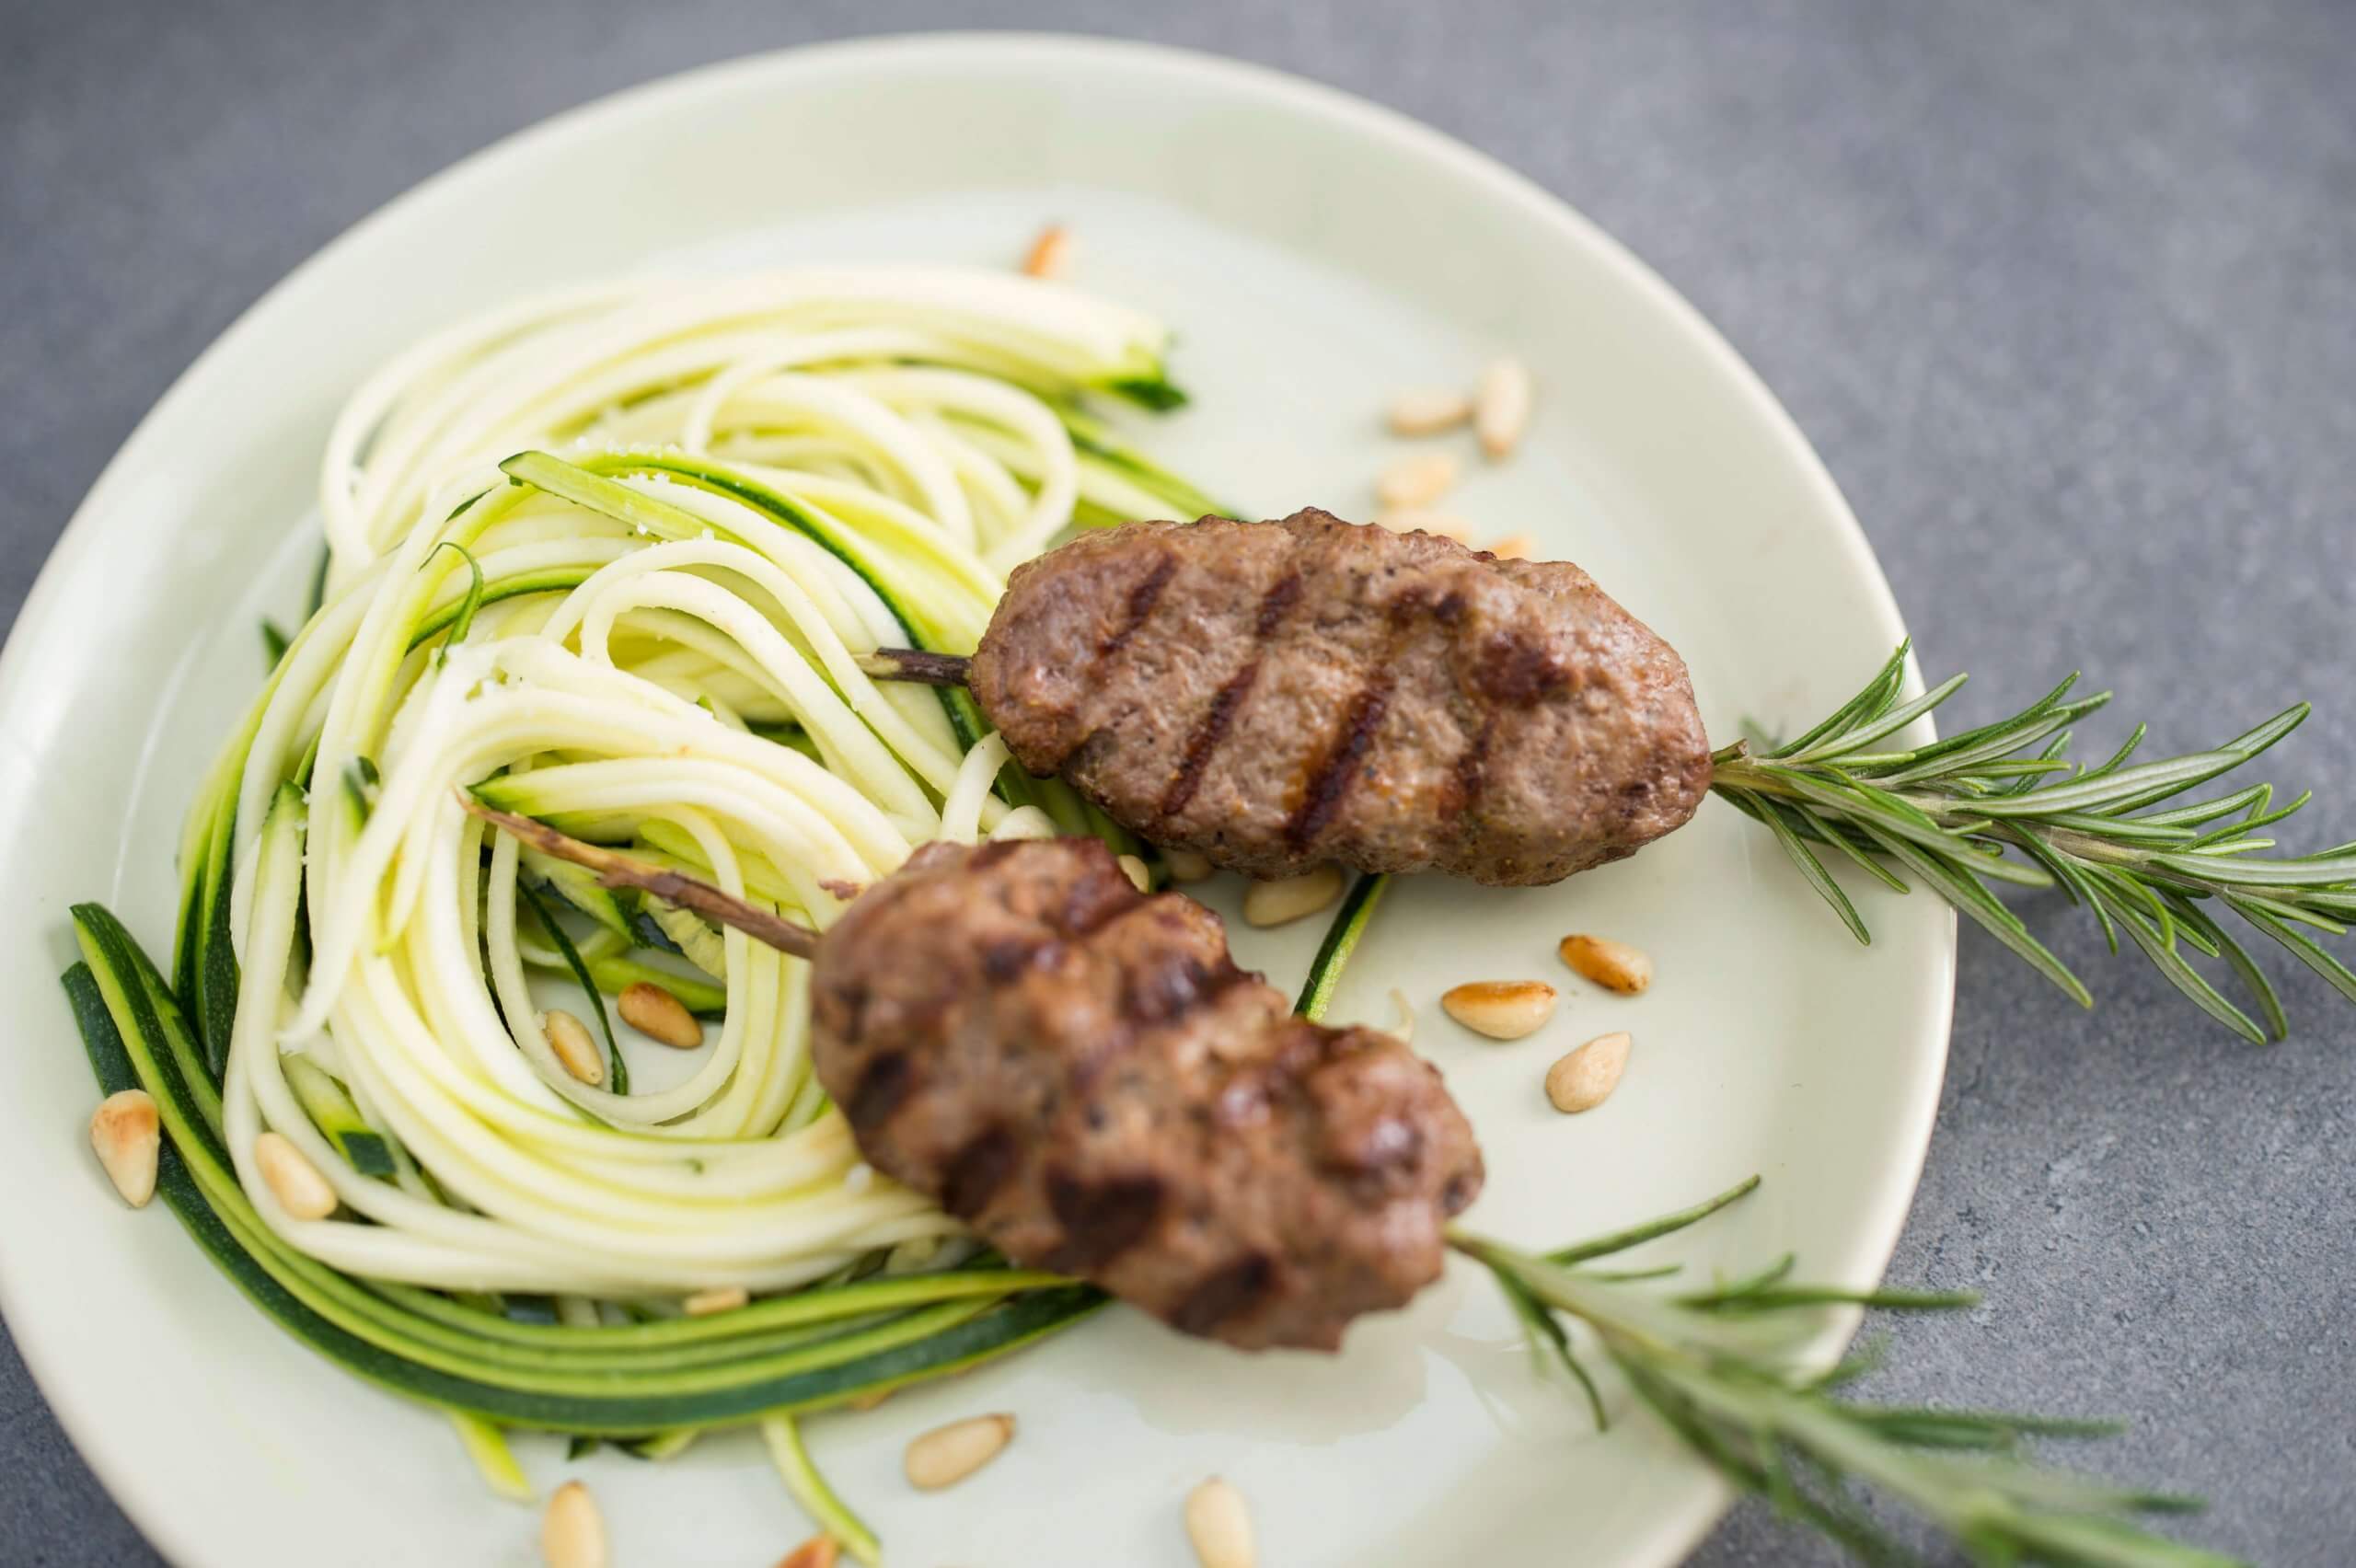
[2065, 295]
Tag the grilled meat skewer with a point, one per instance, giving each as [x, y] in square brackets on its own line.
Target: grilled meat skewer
[1079, 1071]
[1274, 695]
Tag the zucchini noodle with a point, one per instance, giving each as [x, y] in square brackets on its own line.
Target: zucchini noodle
[608, 558]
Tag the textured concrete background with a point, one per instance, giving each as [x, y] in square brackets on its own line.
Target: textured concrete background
[2065, 295]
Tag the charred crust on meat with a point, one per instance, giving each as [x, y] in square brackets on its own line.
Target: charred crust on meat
[1101, 1219]
[1225, 1294]
[975, 1172]
[1166, 987]
[883, 1088]
[1517, 670]
[1003, 958]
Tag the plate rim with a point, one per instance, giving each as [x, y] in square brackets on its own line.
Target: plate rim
[1678, 1529]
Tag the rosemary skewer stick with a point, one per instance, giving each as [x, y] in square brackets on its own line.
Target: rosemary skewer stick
[1971, 809]
[615, 871]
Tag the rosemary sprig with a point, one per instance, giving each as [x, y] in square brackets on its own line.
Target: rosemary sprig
[1723, 1368]
[2002, 803]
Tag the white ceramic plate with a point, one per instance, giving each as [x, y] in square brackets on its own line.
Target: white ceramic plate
[1315, 253]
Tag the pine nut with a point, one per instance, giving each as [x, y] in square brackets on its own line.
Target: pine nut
[127, 1135]
[947, 1455]
[1585, 1077]
[818, 1552]
[1502, 1010]
[573, 1533]
[868, 1401]
[1417, 479]
[1288, 899]
[722, 1298]
[1050, 254]
[575, 1052]
[1419, 520]
[658, 1015]
[1134, 869]
[1405, 1028]
[1615, 966]
[1501, 406]
[1428, 411]
[1218, 1526]
[301, 1190]
[1185, 866]
[1513, 546]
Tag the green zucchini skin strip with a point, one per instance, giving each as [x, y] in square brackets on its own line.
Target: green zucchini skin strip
[127, 1019]
[617, 1070]
[1350, 922]
[554, 581]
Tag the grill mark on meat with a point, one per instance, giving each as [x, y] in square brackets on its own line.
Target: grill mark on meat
[1142, 598]
[1330, 781]
[1003, 958]
[1101, 1219]
[1094, 901]
[882, 1086]
[976, 1171]
[1212, 729]
[1330, 778]
[1224, 1293]
[1166, 990]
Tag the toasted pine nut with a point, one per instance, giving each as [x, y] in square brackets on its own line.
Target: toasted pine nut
[1585, 1077]
[573, 1533]
[1134, 869]
[1501, 406]
[1502, 1010]
[575, 1052]
[1185, 865]
[1513, 546]
[658, 1015]
[818, 1552]
[947, 1455]
[301, 1190]
[1288, 899]
[1615, 966]
[1418, 520]
[127, 1137]
[1050, 254]
[1218, 1526]
[1428, 411]
[719, 1299]
[1417, 479]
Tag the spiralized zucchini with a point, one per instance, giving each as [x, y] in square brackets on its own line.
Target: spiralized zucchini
[608, 560]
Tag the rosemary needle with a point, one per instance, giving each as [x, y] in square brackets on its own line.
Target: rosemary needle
[1972, 808]
[1722, 1367]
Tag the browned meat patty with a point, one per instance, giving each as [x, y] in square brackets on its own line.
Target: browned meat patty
[1081, 1073]
[1273, 695]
